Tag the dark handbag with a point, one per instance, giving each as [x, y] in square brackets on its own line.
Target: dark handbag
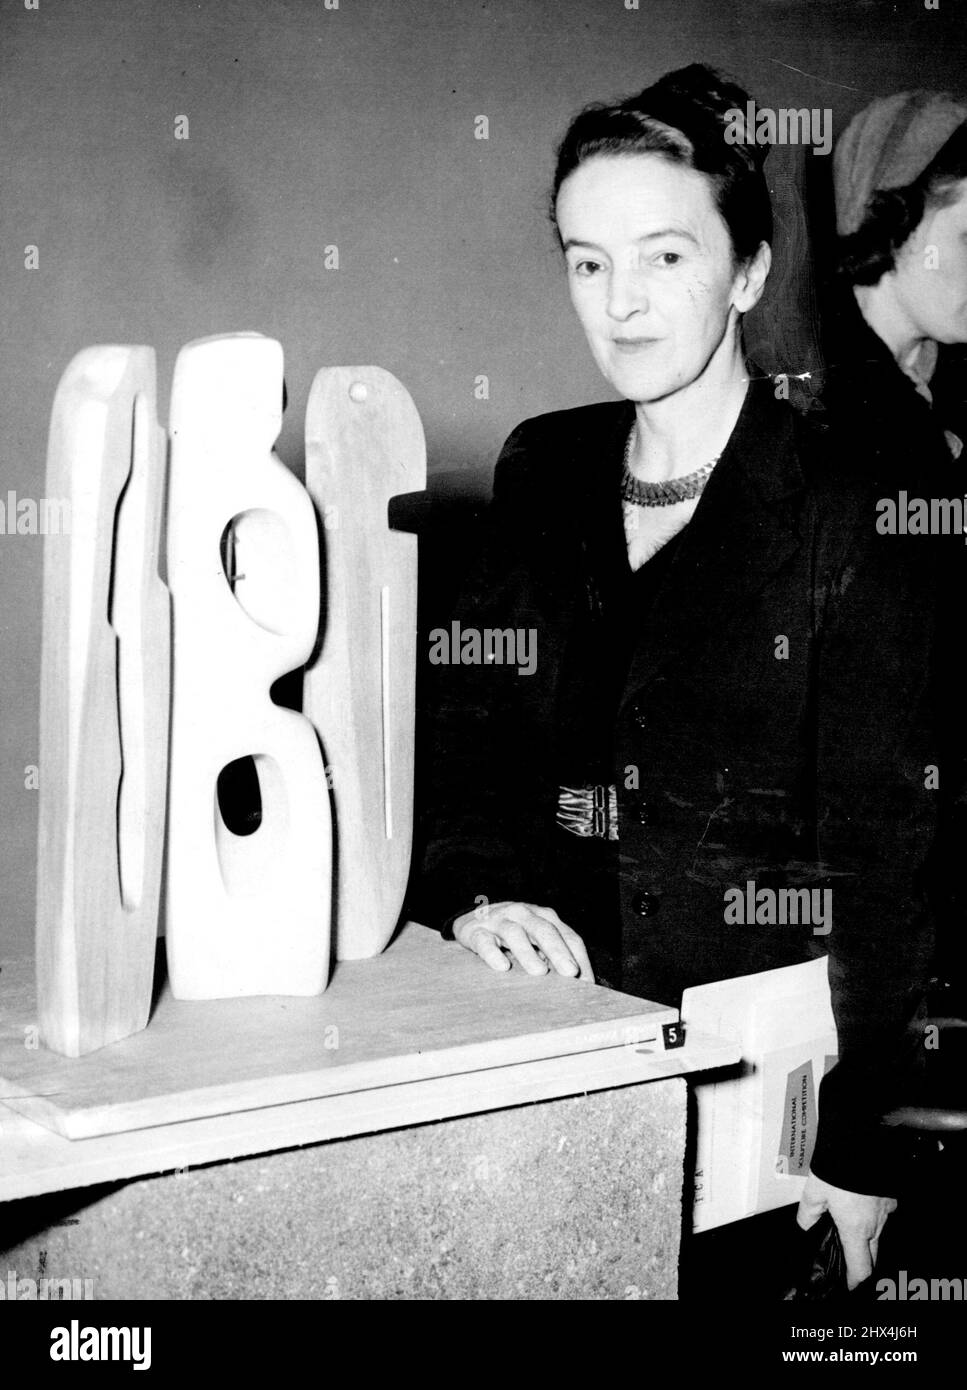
[819, 1266]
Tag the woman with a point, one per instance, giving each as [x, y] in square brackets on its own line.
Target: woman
[896, 319]
[896, 380]
[713, 674]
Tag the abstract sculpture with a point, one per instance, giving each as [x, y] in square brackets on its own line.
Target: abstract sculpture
[104, 705]
[364, 445]
[248, 901]
[245, 913]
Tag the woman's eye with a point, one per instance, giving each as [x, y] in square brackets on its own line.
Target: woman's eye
[668, 258]
[586, 268]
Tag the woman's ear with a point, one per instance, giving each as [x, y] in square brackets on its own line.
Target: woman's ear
[751, 279]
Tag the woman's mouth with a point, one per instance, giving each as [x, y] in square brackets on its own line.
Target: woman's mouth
[629, 346]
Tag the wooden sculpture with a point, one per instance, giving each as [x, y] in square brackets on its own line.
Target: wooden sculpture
[245, 913]
[364, 445]
[104, 705]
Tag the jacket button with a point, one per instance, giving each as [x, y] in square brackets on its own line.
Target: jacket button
[637, 711]
[644, 814]
[644, 903]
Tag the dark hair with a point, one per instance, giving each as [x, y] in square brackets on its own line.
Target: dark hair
[683, 118]
[894, 214]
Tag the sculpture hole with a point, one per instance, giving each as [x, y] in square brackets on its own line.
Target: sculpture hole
[258, 563]
[252, 833]
[240, 797]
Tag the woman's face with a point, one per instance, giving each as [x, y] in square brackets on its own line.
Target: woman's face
[930, 278]
[651, 272]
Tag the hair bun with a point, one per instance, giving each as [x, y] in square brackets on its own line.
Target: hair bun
[698, 100]
[704, 88]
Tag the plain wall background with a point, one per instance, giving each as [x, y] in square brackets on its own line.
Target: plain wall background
[355, 127]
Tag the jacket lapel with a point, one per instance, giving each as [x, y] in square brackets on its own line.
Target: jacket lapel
[604, 551]
[745, 528]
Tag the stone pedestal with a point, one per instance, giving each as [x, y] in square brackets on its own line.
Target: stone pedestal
[575, 1198]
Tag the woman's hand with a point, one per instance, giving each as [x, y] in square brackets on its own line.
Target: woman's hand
[859, 1220]
[534, 936]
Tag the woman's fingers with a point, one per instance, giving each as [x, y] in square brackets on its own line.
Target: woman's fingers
[859, 1220]
[556, 943]
[535, 937]
[809, 1210]
[573, 945]
[886, 1209]
[857, 1254]
[519, 937]
[547, 938]
[499, 929]
[484, 943]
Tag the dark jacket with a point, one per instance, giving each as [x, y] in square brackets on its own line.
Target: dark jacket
[899, 436]
[903, 442]
[770, 715]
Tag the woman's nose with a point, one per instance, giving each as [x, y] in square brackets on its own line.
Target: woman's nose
[626, 293]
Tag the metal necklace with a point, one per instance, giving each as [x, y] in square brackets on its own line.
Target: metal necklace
[662, 494]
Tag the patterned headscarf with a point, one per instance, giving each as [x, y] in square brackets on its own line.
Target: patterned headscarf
[889, 145]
